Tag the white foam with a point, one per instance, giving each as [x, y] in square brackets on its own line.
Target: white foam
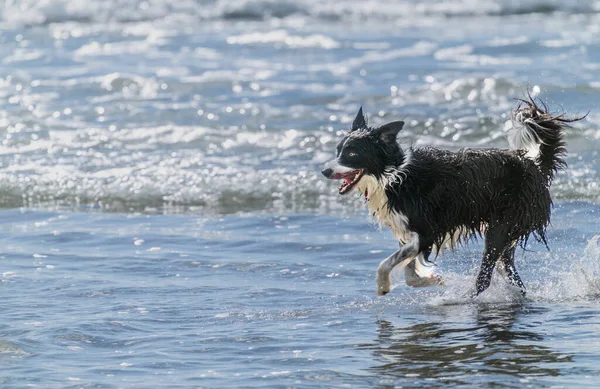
[282, 37]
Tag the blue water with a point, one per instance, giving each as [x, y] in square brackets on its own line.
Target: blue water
[113, 300]
[163, 222]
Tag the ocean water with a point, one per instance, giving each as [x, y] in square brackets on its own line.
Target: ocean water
[164, 223]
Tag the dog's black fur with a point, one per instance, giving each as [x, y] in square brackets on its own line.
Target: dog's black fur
[442, 197]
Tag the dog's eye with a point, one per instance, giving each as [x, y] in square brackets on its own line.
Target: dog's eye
[352, 154]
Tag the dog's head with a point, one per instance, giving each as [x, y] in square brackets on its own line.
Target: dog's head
[365, 151]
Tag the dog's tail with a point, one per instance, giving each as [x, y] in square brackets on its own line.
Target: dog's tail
[541, 135]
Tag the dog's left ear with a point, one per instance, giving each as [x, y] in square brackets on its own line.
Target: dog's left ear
[388, 132]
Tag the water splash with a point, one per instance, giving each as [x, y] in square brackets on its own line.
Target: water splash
[580, 281]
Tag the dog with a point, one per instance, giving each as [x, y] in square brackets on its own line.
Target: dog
[434, 199]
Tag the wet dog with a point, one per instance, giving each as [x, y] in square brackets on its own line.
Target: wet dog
[433, 199]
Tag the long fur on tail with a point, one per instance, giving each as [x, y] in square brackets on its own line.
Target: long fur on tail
[541, 135]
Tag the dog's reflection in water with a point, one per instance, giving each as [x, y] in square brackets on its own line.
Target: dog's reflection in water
[446, 353]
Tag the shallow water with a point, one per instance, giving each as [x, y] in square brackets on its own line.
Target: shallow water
[164, 223]
[111, 300]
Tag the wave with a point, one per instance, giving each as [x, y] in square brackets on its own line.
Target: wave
[35, 13]
[269, 164]
[210, 190]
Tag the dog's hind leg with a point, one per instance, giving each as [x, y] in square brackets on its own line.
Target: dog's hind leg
[496, 239]
[507, 264]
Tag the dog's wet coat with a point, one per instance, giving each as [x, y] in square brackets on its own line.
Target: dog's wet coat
[433, 199]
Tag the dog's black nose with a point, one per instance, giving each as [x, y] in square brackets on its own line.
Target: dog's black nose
[327, 172]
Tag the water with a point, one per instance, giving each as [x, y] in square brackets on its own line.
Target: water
[112, 300]
[163, 222]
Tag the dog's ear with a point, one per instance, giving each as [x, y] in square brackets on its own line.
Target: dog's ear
[359, 121]
[388, 132]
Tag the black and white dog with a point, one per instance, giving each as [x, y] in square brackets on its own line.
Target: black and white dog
[433, 199]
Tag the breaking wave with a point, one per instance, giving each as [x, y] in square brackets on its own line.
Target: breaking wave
[32, 13]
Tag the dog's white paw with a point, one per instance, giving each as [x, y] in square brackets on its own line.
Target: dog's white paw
[424, 282]
[384, 286]
[383, 290]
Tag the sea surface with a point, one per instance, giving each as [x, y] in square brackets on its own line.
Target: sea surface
[163, 221]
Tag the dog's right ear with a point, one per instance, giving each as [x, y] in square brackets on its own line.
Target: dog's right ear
[388, 132]
[359, 121]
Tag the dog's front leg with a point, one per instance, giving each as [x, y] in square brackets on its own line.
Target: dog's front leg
[405, 254]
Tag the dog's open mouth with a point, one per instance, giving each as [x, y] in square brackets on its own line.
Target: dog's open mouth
[350, 180]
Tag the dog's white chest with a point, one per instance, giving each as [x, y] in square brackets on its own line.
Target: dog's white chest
[377, 202]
